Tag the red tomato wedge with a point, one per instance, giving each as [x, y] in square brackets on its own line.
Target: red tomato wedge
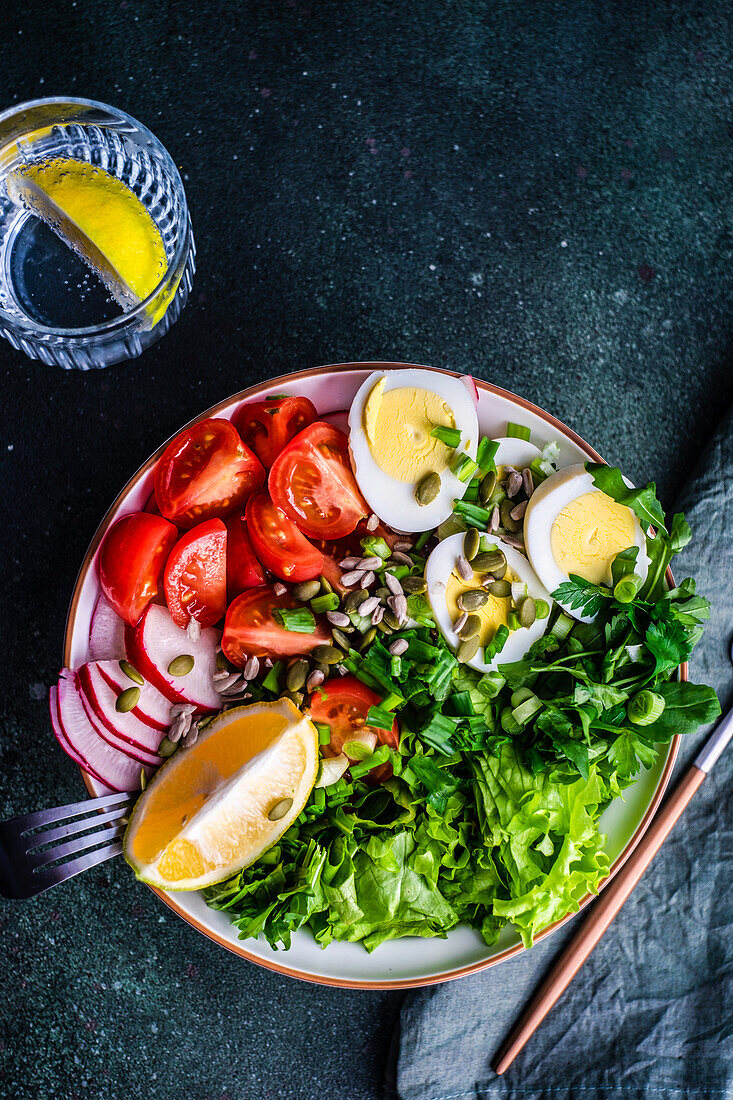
[279, 544]
[243, 569]
[206, 471]
[252, 628]
[131, 562]
[196, 575]
[312, 482]
[343, 705]
[266, 426]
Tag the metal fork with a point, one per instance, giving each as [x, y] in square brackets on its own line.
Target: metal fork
[35, 856]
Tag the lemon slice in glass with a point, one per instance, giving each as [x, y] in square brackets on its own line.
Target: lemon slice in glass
[214, 808]
[98, 216]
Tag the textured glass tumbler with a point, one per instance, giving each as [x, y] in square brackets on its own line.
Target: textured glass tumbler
[110, 139]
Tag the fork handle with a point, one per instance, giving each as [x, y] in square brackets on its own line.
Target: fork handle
[610, 901]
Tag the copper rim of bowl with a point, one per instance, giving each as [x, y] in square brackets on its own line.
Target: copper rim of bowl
[171, 902]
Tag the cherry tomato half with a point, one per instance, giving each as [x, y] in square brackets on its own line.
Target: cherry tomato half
[279, 544]
[196, 575]
[343, 705]
[349, 547]
[266, 426]
[312, 482]
[253, 630]
[205, 471]
[243, 569]
[131, 562]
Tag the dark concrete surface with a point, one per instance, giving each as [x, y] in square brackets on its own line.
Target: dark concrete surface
[537, 193]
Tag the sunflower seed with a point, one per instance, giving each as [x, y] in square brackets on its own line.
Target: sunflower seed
[373, 562]
[223, 674]
[337, 618]
[514, 540]
[414, 584]
[367, 579]
[279, 589]
[315, 680]
[398, 647]
[377, 616]
[306, 590]
[513, 484]
[398, 558]
[193, 629]
[398, 606]
[393, 584]
[460, 622]
[251, 668]
[180, 726]
[494, 520]
[127, 700]
[508, 470]
[131, 673]
[182, 708]
[342, 670]
[191, 737]
[181, 665]
[403, 545]
[465, 570]
[297, 675]
[468, 649]
[280, 809]
[353, 577]
[527, 481]
[348, 563]
[369, 605]
[234, 689]
[472, 600]
[373, 522]
[518, 512]
[222, 685]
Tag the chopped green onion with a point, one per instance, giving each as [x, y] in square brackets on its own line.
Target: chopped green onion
[277, 396]
[562, 626]
[485, 453]
[491, 683]
[463, 467]
[375, 546]
[381, 756]
[423, 539]
[627, 587]
[521, 695]
[471, 493]
[357, 750]
[473, 514]
[338, 788]
[439, 731]
[324, 733]
[517, 431]
[272, 680]
[319, 798]
[379, 718]
[421, 651]
[497, 643]
[398, 571]
[461, 703]
[328, 602]
[644, 708]
[509, 723]
[512, 621]
[391, 702]
[298, 619]
[395, 666]
[450, 436]
[526, 710]
[542, 608]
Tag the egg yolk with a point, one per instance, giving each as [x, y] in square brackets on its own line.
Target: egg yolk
[398, 424]
[588, 534]
[493, 614]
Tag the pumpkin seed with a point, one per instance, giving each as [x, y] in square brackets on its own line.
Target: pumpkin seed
[143, 779]
[127, 699]
[427, 489]
[341, 640]
[473, 599]
[501, 589]
[326, 585]
[295, 697]
[353, 599]
[181, 665]
[280, 809]
[468, 649]
[166, 748]
[391, 619]
[327, 654]
[384, 627]
[296, 675]
[307, 590]
[491, 561]
[131, 673]
[527, 611]
[222, 663]
[414, 584]
[368, 638]
[486, 488]
[471, 627]
[505, 512]
[471, 543]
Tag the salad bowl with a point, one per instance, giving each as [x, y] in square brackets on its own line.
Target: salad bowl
[405, 962]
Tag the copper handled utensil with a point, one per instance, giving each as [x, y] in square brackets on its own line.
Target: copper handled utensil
[613, 896]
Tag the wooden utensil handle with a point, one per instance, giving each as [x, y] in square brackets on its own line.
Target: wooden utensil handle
[612, 897]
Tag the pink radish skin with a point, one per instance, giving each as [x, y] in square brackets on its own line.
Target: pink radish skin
[107, 633]
[53, 706]
[471, 386]
[156, 641]
[109, 765]
[153, 708]
[123, 731]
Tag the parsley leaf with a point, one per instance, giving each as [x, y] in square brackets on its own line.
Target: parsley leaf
[581, 595]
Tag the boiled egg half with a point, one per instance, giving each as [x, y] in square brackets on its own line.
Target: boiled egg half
[570, 526]
[445, 585]
[392, 448]
[511, 451]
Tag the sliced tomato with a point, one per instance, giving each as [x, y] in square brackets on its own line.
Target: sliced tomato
[243, 569]
[349, 547]
[267, 426]
[312, 482]
[278, 543]
[131, 562]
[343, 705]
[206, 471]
[196, 575]
[252, 628]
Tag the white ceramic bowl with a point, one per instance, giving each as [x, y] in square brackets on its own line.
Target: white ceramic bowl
[411, 961]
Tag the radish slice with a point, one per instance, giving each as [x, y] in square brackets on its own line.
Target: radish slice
[471, 386]
[339, 419]
[109, 765]
[156, 641]
[123, 731]
[53, 706]
[107, 633]
[152, 707]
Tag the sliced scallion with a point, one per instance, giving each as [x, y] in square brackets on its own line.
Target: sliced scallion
[517, 431]
[474, 515]
[381, 756]
[328, 602]
[324, 733]
[272, 680]
[644, 708]
[379, 718]
[562, 626]
[627, 587]
[485, 453]
[375, 546]
[297, 619]
[450, 436]
[463, 467]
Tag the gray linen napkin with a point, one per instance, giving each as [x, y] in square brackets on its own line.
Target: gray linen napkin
[650, 1013]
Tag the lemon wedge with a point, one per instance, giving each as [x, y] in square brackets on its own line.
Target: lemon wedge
[98, 216]
[214, 808]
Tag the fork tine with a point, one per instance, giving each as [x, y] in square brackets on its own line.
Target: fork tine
[52, 876]
[76, 846]
[75, 809]
[69, 828]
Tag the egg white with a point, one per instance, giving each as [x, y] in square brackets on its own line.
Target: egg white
[440, 565]
[515, 452]
[547, 501]
[393, 500]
